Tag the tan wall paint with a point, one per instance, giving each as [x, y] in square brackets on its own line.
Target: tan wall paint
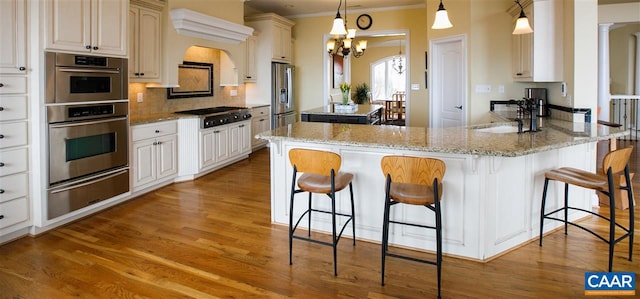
[309, 47]
[622, 47]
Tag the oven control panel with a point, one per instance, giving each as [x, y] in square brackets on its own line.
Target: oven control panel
[85, 111]
[223, 119]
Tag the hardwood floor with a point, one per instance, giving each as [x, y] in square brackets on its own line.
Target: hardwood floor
[213, 238]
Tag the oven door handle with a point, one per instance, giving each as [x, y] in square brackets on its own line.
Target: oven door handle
[84, 123]
[94, 71]
[87, 181]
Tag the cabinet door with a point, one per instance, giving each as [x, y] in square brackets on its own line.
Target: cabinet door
[207, 148]
[258, 126]
[167, 156]
[68, 25]
[250, 60]
[281, 43]
[245, 138]
[134, 32]
[144, 162]
[109, 23]
[12, 36]
[221, 143]
[235, 140]
[149, 44]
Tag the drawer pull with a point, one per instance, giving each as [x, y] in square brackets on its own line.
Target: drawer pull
[95, 48]
[159, 142]
[157, 131]
[22, 68]
[1, 191]
[1, 164]
[1, 85]
[1, 108]
[141, 74]
[88, 47]
[1, 136]
[1, 216]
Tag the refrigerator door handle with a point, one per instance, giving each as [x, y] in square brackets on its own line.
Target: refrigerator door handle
[289, 73]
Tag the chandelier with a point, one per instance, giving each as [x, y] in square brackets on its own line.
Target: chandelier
[344, 39]
[398, 61]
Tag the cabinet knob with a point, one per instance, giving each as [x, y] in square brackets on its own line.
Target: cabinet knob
[157, 131]
[155, 143]
[1, 108]
[141, 74]
[95, 48]
[1, 164]
[1, 136]
[240, 126]
[22, 68]
[1, 85]
[136, 74]
[262, 119]
[159, 143]
[518, 74]
[1, 216]
[88, 47]
[1, 191]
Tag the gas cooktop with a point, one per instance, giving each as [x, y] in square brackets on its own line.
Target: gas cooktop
[217, 116]
[212, 110]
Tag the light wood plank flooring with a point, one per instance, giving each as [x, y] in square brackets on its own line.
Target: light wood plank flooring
[212, 238]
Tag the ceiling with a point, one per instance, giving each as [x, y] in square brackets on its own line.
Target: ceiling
[291, 8]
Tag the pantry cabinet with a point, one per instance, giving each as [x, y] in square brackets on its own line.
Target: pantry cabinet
[145, 40]
[250, 74]
[13, 37]
[87, 26]
[155, 156]
[537, 56]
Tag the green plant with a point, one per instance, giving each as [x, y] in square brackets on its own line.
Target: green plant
[362, 93]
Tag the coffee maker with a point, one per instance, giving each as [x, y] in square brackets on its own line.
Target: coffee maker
[540, 96]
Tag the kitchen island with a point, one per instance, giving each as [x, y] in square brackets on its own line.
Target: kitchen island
[492, 186]
[362, 114]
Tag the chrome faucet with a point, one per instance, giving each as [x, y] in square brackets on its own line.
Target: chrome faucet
[527, 106]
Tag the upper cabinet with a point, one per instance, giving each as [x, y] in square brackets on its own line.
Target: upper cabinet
[250, 73]
[87, 26]
[145, 40]
[275, 35]
[12, 37]
[537, 57]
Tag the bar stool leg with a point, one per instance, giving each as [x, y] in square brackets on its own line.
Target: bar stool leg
[566, 205]
[544, 200]
[293, 193]
[309, 214]
[612, 216]
[627, 178]
[353, 214]
[438, 241]
[385, 229]
[335, 241]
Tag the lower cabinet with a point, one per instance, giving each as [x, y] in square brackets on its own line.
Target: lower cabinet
[155, 156]
[260, 122]
[224, 143]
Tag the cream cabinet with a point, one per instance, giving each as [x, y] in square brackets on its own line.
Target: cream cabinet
[155, 156]
[537, 56]
[87, 26]
[13, 37]
[15, 211]
[274, 39]
[250, 74]
[221, 144]
[145, 40]
[260, 122]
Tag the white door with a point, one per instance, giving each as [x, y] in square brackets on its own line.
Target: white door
[448, 90]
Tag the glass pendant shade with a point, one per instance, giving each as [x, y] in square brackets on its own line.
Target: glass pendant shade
[338, 26]
[442, 19]
[331, 44]
[351, 33]
[522, 25]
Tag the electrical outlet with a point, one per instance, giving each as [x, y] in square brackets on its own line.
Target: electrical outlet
[140, 97]
[501, 88]
[482, 88]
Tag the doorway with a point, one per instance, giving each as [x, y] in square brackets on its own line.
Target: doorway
[448, 82]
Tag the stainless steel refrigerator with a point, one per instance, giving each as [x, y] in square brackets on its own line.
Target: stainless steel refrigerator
[282, 106]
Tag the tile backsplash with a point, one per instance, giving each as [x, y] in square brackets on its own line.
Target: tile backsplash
[155, 99]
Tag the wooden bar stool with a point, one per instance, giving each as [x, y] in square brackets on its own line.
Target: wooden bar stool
[413, 181]
[613, 164]
[321, 174]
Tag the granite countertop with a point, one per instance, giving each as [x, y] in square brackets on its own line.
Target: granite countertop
[459, 140]
[157, 117]
[362, 110]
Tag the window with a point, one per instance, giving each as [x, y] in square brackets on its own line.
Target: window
[385, 81]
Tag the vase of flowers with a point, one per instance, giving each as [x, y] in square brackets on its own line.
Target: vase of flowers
[345, 88]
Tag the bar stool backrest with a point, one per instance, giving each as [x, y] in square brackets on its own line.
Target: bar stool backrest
[413, 170]
[315, 161]
[617, 160]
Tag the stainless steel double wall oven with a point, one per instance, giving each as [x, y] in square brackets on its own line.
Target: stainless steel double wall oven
[87, 115]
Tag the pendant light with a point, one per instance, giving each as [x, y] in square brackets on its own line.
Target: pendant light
[344, 39]
[397, 61]
[522, 24]
[442, 19]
